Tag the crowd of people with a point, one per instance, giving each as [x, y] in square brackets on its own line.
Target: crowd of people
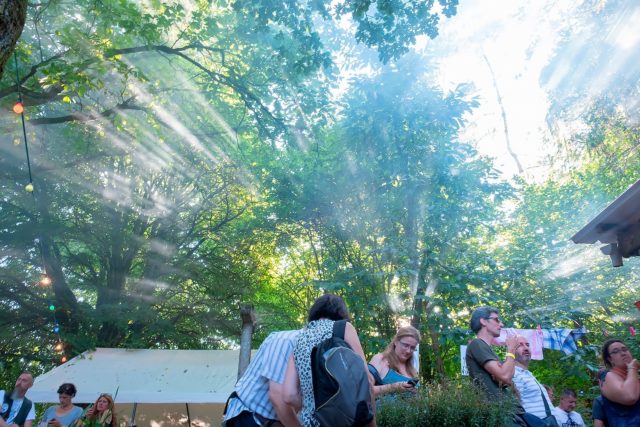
[18, 411]
[277, 388]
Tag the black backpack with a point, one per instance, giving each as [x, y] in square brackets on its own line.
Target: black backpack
[340, 383]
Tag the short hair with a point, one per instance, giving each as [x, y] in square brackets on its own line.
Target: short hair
[480, 313]
[28, 373]
[567, 392]
[68, 389]
[605, 351]
[329, 306]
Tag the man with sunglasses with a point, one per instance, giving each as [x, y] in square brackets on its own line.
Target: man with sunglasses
[485, 368]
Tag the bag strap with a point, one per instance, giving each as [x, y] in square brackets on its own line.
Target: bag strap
[338, 328]
[546, 405]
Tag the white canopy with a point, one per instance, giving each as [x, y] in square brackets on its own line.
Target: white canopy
[143, 376]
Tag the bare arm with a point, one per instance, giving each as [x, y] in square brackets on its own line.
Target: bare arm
[503, 372]
[598, 423]
[28, 423]
[3, 423]
[286, 414]
[291, 386]
[624, 391]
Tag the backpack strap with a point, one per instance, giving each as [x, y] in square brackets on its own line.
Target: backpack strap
[338, 328]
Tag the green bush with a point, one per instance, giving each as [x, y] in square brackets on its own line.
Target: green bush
[454, 404]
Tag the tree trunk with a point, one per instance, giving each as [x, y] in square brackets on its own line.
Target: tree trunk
[248, 321]
[13, 14]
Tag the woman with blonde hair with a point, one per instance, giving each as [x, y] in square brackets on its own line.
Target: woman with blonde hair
[100, 414]
[393, 369]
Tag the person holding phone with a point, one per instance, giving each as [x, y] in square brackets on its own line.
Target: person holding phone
[100, 414]
[64, 414]
[393, 369]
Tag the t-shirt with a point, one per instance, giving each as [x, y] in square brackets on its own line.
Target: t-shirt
[66, 419]
[478, 354]
[531, 392]
[597, 410]
[571, 419]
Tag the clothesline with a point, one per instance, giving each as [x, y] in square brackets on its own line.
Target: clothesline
[555, 339]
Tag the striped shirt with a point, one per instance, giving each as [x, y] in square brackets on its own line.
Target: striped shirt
[269, 364]
[530, 392]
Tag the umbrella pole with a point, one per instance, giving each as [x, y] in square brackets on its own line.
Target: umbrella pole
[132, 422]
[188, 415]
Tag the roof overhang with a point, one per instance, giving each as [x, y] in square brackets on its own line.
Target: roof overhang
[618, 225]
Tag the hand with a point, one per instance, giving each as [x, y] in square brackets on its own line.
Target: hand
[405, 386]
[90, 411]
[633, 365]
[512, 343]
[54, 423]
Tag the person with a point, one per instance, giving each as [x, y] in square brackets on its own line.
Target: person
[550, 392]
[565, 413]
[484, 366]
[533, 396]
[100, 414]
[597, 408]
[393, 369]
[620, 385]
[258, 395]
[298, 383]
[17, 410]
[64, 414]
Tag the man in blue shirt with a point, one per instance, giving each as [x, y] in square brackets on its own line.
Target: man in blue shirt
[257, 399]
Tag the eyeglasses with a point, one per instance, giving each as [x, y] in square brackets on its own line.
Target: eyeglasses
[497, 319]
[619, 350]
[407, 346]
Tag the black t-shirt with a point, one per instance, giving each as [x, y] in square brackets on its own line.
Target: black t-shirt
[478, 354]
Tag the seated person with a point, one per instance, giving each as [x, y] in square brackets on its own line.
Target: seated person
[64, 414]
[393, 368]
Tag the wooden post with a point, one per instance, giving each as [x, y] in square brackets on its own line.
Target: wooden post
[248, 321]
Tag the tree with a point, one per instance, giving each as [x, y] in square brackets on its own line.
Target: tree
[13, 14]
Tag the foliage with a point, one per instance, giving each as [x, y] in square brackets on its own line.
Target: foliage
[450, 403]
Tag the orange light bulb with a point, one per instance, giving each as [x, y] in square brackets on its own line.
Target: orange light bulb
[18, 107]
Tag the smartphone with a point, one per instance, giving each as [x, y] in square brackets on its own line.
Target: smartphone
[413, 381]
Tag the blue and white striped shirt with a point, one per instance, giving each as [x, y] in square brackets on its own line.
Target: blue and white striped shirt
[531, 392]
[269, 364]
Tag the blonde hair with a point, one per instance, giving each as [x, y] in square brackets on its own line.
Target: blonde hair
[389, 353]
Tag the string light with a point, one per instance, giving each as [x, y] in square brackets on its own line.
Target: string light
[45, 280]
[18, 107]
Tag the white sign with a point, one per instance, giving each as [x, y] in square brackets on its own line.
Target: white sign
[463, 360]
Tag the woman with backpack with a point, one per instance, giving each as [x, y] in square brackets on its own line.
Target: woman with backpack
[298, 384]
[393, 369]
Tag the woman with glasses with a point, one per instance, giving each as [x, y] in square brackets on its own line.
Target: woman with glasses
[620, 386]
[100, 414]
[393, 369]
[64, 414]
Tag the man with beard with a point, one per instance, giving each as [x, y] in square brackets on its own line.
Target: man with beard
[533, 395]
[17, 410]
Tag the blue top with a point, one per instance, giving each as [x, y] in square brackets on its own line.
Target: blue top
[394, 377]
[66, 419]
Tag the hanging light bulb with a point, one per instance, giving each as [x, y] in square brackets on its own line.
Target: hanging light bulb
[45, 280]
[59, 346]
[29, 187]
[52, 307]
[18, 107]
[56, 329]
[63, 359]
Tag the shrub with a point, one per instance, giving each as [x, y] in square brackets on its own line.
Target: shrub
[454, 404]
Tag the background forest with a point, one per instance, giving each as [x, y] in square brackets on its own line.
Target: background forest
[191, 157]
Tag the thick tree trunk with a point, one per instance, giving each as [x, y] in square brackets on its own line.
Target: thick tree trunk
[13, 14]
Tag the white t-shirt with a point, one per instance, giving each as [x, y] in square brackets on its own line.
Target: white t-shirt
[571, 419]
[17, 403]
